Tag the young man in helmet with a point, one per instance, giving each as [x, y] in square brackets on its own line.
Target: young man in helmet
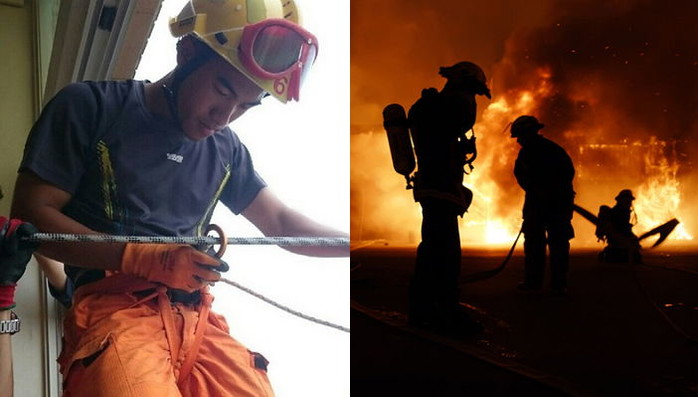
[545, 172]
[616, 228]
[439, 121]
[139, 158]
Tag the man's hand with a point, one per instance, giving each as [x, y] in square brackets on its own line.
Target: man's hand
[177, 266]
[15, 253]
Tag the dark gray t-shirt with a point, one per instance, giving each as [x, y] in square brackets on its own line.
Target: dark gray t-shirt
[131, 172]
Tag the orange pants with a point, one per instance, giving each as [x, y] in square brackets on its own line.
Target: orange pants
[122, 342]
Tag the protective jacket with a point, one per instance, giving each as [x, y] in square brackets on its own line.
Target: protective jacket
[437, 120]
[545, 172]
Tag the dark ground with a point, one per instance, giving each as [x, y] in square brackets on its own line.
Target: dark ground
[622, 330]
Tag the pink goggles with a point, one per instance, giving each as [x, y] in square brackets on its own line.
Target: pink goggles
[278, 50]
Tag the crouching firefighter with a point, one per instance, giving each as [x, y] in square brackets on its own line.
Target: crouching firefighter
[615, 228]
[439, 122]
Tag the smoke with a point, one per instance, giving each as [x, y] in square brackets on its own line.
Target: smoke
[398, 46]
[615, 83]
[636, 59]
[625, 78]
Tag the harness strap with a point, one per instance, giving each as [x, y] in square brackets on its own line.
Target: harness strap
[123, 283]
[168, 322]
[204, 310]
[167, 318]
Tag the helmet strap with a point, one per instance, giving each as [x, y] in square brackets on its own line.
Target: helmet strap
[181, 72]
[171, 98]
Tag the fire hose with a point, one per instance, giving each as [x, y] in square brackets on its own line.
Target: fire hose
[479, 276]
[206, 241]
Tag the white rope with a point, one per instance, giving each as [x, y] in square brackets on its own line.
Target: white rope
[285, 308]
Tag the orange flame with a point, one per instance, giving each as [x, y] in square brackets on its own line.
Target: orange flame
[659, 198]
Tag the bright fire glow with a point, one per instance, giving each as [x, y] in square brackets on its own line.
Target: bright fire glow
[382, 209]
[658, 199]
[498, 233]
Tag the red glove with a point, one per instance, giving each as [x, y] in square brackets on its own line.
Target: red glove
[176, 266]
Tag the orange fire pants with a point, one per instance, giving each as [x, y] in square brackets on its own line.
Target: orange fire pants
[121, 341]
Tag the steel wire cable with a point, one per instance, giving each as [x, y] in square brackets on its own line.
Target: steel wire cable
[202, 240]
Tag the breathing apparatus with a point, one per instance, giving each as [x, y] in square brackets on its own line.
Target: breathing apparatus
[401, 151]
[463, 77]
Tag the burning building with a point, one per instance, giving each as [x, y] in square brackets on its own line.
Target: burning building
[615, 83]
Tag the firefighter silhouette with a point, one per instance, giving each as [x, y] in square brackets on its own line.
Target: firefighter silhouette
[439, 122]
[615, 228]
[545, 172]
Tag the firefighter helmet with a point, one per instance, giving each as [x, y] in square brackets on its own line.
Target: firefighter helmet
[625, 194]
[263, 39]
[524, 125]
[467, 73]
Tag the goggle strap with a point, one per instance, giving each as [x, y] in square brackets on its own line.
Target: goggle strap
[294, 85]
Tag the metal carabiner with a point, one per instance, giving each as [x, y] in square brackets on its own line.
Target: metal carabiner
[221, 237]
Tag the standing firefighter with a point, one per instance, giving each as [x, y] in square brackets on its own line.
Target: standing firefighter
[439, 121]
[141, 158]
[616, 228]
[545, 172]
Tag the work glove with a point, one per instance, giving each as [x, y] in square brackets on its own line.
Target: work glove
[15, 253]
[177, 266]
